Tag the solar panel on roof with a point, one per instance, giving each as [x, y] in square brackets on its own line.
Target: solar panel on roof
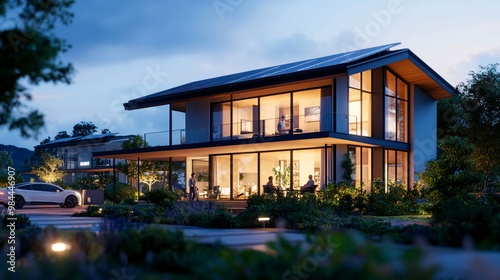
[305, 65]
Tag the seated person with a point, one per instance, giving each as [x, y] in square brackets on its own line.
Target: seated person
[270, 186]
[308, 185]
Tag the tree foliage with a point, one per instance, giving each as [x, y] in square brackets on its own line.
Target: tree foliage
[48, 168]
[29, 54]
[61, 135]
[84, 129]
[480, 96]
[451, 173]
[475, 116]
[134, 143]
[5, 162]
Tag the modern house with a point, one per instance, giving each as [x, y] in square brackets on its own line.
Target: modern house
[377, 106]
[77, 154]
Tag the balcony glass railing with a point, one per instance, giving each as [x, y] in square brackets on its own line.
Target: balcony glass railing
[247, 129]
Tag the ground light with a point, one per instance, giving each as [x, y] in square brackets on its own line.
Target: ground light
[264, 220]
[60, 247]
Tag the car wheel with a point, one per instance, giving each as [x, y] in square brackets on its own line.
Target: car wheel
[71, 201]
[19, 202]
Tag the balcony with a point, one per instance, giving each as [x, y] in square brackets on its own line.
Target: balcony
[247, 129]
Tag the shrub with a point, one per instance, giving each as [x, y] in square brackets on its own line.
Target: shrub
[294, 212]
[466, 215]
[162, 197]
[92, 182]
[122, 192]
[343, 197]
[398, 201]
[200, 213]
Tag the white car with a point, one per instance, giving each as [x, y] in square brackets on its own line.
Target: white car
[40, 193]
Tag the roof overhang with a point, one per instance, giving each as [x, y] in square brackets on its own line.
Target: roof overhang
[264, 144]
[412, 69]
[147, 102]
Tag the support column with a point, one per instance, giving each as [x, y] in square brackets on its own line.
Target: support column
[138, 178]
[114, 180]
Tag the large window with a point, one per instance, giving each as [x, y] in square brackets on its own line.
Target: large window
[396, 108]
[278, 114]
[245, 175]
[276, 165]
[396, 166]
[221, 121]
[306, 110]
[222, 174]
[360, 103]
[245, 118]
[361, 157]
[305, 163]
[273, 110]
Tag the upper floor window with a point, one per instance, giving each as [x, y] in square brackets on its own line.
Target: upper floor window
[360, 103]
[396, 108]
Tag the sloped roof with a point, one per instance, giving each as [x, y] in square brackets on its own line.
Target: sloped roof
[265, 76]
[78, 140]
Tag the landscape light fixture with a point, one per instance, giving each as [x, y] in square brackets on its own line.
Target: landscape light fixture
[264, 220]
[60, 247]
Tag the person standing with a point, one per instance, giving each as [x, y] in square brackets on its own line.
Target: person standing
[281, 126]
[193, 189]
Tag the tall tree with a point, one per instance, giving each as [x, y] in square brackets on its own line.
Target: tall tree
[83, 129]
[480, 99]
[48, 168]
[29, 54]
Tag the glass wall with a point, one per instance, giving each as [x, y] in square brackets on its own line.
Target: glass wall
[305, 163]
[221, 120]
[361, 157]
[396, 166]
[222, 174]
[245, 175]
[360, 103]
[273, 110]
[396, 108]
[277, 165]
[306, 110]
[278, 114]
[200, 167]
[245, 118]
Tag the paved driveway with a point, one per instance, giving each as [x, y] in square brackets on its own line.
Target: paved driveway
[45, 215]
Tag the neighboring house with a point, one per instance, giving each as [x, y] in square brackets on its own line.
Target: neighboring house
[375, 105]
[76, 152]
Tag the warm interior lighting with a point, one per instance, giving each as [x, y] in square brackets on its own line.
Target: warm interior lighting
[59, 247]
